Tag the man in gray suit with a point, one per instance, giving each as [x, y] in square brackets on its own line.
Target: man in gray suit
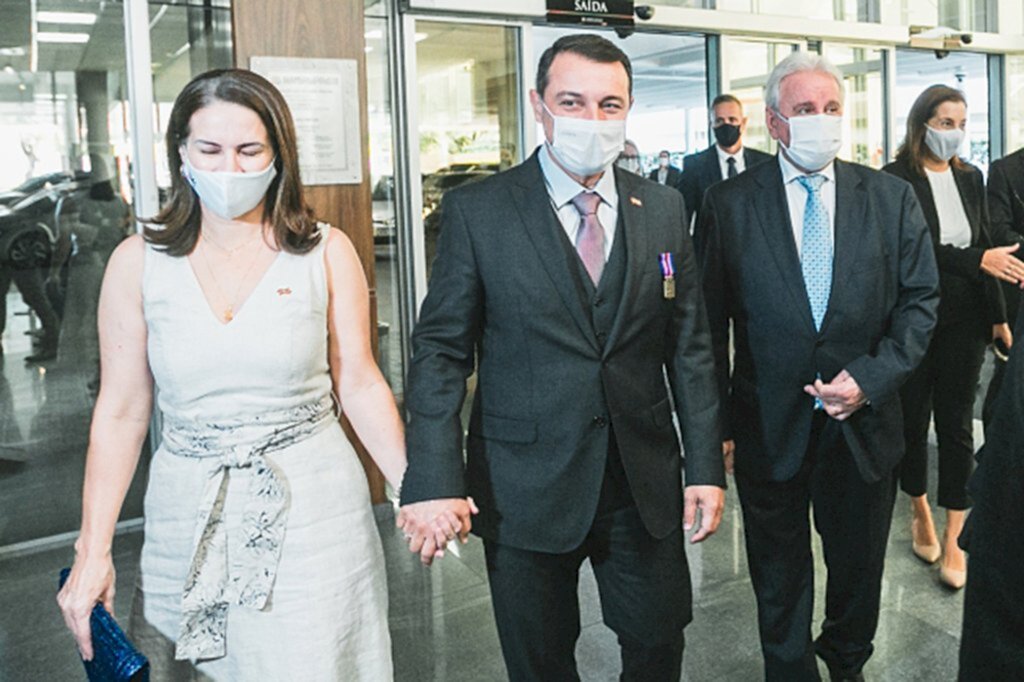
[827, 272]
[573, 289]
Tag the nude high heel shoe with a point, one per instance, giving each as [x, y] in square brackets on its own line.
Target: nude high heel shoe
[926, 553]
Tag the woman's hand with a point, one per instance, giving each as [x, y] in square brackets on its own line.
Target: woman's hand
[91, 581]
[999, 263]
[1001, 332]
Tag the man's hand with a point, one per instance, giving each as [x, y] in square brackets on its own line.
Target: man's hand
[728, 453]
[430, 525]
[710, 500]
[999, 263]
[1001, 332]
[841, 396]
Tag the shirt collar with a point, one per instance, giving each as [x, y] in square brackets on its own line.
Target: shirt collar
[790, 172]
[563, 188]
[723, 155]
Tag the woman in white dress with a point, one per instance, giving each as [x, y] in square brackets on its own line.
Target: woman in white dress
[261, 557]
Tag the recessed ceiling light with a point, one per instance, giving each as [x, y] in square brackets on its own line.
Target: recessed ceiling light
[78, 18]
[57, 37]
[12, 52]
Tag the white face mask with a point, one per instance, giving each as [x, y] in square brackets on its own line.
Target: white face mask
[814, 141]
[663, 162]
[631, 164]
[945, 144]
[586, 146]
[229, 195]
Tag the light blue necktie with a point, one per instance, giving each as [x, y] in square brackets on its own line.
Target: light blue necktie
[816, 252]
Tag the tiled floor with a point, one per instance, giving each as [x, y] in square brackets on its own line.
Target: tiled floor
[443, 627]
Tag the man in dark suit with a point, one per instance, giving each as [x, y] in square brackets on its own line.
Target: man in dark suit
[827, 273]
[1006, 226]
[725, 159]
[573, 290]
[665, 173]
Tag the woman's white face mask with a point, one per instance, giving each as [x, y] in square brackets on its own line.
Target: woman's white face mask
[944, 144]
[586, 146]
[228, 195]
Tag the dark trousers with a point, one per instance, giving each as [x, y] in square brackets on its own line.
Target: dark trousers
[852, 517]
[644, 584]
[33, 291]
[944, 384]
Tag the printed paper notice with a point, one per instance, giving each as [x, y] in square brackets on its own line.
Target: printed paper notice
[323, 95]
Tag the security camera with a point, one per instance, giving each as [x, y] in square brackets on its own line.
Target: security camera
[939, 38]
[644, 12]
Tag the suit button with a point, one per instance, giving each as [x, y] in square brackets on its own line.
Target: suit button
[600, 422]
[819, 343]
[598, 301]
[601, 336]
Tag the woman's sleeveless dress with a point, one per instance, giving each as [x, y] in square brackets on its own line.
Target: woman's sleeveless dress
[261, 558]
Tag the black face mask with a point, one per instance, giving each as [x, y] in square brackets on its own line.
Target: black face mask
[726, 134]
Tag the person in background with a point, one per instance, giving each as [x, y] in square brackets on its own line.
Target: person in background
[971, 314]
[572, 311]
[992, 640]
[1006, 223]
[825, 270]
[261, 559]
[665, 173]
[725, 159]
[629, 158]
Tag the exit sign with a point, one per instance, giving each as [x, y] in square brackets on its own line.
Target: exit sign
[591, 12]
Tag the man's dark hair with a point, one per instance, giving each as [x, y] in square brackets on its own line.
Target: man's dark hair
[726, 97]
[587, 45]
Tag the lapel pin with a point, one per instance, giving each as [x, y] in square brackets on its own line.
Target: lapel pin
[284, 291]
[635, 201]
[668, 273]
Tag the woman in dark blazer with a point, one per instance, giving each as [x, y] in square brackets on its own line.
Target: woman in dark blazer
[971, 313]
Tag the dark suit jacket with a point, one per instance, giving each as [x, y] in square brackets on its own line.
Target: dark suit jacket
[673, 176]
[967, 292]
[880, 316]
[1006, 215]
[502, 295]
[702, 170]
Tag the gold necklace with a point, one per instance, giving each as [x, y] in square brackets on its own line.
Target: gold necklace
[229, 311]
[231, 252]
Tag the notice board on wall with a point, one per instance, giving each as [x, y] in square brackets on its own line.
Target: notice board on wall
[323, 95]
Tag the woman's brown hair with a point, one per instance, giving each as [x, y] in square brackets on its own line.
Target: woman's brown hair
[914, 150]
[291, 220]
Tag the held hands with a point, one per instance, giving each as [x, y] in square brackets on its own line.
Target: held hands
[710, 501]
[999, 263]
[91, 581]
[841, 396]
[430, 525]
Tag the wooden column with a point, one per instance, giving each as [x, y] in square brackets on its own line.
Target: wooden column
[331, 29]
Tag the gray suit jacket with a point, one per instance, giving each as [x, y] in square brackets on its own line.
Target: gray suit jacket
[881, 314]
[502, 299]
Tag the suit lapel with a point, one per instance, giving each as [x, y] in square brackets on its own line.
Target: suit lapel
[634, 230]
[712, 169]
[851, 207]
[773, 215]
[966, 190]
[540, 222]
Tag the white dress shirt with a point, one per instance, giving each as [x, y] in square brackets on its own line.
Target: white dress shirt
[954, 227]
[662, 175]
[723, 161]
[562, 189]
[796, 197]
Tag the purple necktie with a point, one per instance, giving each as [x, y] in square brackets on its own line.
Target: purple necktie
[590, 237]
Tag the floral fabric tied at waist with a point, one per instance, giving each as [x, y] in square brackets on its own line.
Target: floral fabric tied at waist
[213, 583]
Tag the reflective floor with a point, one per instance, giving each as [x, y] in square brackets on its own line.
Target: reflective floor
[443, 628]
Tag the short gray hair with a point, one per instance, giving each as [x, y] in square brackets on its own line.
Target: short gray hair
[799, 62]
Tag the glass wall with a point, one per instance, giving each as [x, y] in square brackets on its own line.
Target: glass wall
[467, 84]
[745, 68]
[1014, 98]
[65, 204]
[669, 91]
[967, 71]
[390, 355]
[864, 136]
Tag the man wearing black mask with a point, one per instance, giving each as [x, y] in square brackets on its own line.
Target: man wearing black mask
[724, 159]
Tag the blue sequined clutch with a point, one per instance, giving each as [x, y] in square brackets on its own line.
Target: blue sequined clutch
[114, 658]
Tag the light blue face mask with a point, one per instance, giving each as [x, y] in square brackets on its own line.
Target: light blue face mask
[944, 144]
[229, 195]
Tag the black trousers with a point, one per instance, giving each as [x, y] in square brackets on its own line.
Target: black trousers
[944, 384]
[852, 517]
[33, 291]
[643, 582]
